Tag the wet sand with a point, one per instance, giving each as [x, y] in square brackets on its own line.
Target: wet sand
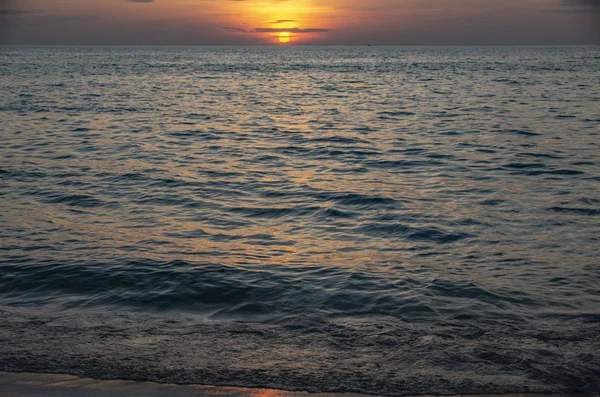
[48, 385]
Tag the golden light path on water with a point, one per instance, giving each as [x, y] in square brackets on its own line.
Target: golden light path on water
[303, 218]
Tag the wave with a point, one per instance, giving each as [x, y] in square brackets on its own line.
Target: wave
[374, 355]
[392, 221]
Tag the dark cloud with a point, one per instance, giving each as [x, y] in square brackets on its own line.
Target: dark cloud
[281, 21]
[274, 30]
[233, 29]
[582, 3]
[571, 10]
[576, 7]
[10, 8]
[291, 30]
[69, 18]
[14, 12]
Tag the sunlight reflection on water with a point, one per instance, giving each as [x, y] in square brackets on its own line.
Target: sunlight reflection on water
[340, 219]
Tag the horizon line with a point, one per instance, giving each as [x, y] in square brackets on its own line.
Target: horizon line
[299, 46]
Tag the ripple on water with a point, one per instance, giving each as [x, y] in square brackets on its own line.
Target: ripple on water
[393, 221]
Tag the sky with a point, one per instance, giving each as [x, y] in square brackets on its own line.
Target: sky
[300, 22]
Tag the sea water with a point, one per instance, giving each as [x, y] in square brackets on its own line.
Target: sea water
[382, 220]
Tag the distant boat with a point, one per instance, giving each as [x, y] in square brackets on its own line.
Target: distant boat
[369, 45]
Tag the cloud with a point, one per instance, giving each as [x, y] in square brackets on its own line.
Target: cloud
[71, 18]
[572, 10]
[291, 30]
[140, 1]
[578, 6]
[281, 21]
[14, 12]
[10, 15]
[9, 8]
[233, 29]
[582, 3]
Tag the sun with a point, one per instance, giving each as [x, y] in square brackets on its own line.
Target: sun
[284, 37]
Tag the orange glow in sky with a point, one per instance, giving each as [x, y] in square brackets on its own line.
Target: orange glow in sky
[321, 22]
[286, 20]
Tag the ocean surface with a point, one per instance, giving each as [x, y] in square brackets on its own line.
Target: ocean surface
[392, 221]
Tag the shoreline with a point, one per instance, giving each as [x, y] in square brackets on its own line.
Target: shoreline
[26, 384]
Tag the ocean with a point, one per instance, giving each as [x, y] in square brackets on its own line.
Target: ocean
[384, 220]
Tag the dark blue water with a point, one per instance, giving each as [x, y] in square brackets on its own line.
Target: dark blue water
[382, 220]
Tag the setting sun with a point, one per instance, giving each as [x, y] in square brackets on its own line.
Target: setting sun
[284, 37]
